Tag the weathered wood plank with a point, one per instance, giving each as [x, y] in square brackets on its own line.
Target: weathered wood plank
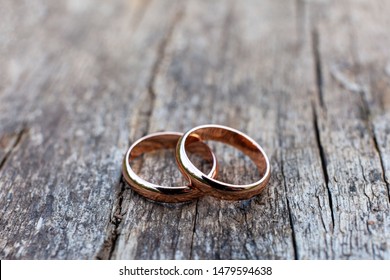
[359, 195]
[373, 73]
[200, 26]
[302, 167]
[73, 76]
[314, 208]
[220, 74]
[309, 80]
[373, 76]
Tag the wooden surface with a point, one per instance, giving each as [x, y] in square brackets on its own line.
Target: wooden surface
[81, 80]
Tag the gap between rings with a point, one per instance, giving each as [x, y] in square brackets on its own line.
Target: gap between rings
[199, 183]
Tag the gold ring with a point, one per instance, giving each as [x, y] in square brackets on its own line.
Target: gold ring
[157, 141]
[209, 185]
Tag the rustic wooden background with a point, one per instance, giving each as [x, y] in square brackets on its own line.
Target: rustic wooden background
[81, 80]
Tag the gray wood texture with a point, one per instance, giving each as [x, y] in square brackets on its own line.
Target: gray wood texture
[81, 80]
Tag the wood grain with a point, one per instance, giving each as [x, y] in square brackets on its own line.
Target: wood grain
[79, 85]
[308, 80]
[359, 195]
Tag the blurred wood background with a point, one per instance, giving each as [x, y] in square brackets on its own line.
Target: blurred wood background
[81, 80]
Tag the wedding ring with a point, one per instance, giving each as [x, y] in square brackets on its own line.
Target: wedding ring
[157, 141]
[232, 137]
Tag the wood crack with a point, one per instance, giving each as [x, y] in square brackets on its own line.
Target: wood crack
[362, 90]
[156, 66]
[106, 252]
[322, 218]
[108, 248]
[366, 182]
[370, 126]
[117, 218]
[323, 162]
[376, 145]
[318, 66]
[194, 229]
[319, 83]
[19, 136]
[249, 234]
[293, 235]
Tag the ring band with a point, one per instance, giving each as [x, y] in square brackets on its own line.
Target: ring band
[231, 137]
[157, 141]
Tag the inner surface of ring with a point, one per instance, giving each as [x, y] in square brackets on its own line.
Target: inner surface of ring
[153, 143]
[238, 141]
[197, 149]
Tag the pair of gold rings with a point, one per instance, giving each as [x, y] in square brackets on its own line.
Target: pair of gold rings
[199, 183]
